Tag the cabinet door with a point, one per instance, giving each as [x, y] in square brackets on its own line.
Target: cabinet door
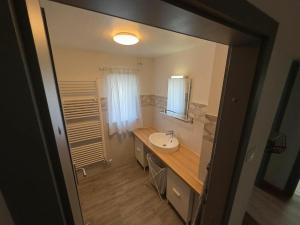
[179, 195]
[140, 152]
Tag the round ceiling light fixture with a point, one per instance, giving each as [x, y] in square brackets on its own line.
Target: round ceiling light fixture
[126, 38]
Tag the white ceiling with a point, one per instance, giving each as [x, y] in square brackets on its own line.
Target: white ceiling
[72, 27]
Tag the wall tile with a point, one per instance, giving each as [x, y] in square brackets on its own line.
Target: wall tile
[209, 128]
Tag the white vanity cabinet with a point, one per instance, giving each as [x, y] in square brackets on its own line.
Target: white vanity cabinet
[180, 195]
[140, 152]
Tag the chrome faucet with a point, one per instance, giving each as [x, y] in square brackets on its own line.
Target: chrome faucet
[171, 133]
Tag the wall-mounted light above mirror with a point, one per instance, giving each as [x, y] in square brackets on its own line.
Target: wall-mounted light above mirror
[179, 90]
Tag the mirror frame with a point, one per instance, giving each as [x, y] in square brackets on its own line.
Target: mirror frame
[185, 117]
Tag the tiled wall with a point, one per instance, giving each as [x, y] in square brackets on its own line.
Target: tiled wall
[209, 128]
[207, 144]
[203, 126]
[199, 136]
[196, 110]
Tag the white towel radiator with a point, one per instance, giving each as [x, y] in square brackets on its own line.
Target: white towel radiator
[84, 121]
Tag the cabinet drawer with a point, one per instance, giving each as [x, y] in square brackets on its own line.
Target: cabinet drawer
[180, 195]
[140, 152]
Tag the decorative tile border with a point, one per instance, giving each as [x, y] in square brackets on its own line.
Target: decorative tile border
[147, 100]
[196, 111]
[209, 127]
[160, 102]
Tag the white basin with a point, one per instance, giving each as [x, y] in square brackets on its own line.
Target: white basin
[164, 142]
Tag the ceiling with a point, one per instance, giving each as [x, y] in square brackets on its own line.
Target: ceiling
[72, 27]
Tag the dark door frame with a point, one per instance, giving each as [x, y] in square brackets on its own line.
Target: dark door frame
[294, 176]
[248, 31]
[27, 181]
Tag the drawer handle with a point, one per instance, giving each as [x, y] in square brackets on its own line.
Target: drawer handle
[176, 192]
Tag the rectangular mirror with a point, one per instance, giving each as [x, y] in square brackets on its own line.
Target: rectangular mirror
[179, 89]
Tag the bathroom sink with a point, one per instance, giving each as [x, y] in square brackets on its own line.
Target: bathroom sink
[164, 142]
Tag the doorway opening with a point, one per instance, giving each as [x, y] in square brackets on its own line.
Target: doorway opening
[122, 175]
[235, 104]
[277, 183]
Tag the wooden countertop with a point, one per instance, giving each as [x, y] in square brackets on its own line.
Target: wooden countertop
[183, 162]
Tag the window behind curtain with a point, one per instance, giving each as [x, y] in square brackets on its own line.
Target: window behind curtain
[123, 101]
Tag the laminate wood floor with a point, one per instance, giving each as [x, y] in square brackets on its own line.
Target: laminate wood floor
[266, 209]
[119, 196]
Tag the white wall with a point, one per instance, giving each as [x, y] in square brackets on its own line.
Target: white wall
[75, 64]
[188, 134]
[196, 63]
[217, 78]
[213, 105]
[286, 48]
[205, 65]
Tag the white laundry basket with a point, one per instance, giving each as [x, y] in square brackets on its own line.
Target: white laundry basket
[157, 174]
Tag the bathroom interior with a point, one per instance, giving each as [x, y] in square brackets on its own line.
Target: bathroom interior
[140, 106]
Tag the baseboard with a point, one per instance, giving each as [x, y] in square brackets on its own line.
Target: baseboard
[273, 190]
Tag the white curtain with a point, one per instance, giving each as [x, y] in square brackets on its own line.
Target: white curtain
[177, 95]
[123, 101]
